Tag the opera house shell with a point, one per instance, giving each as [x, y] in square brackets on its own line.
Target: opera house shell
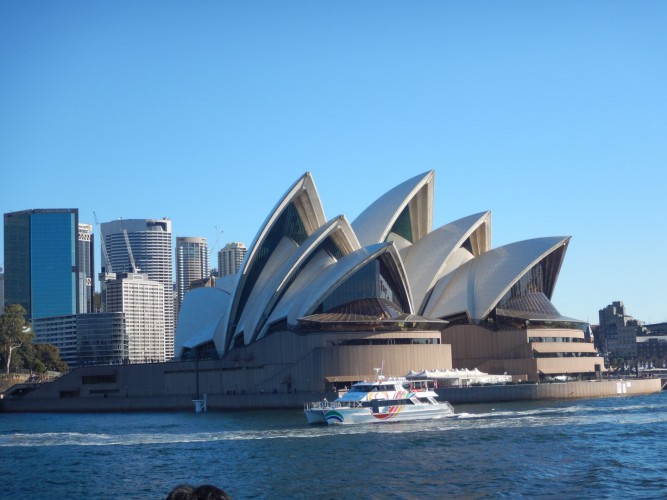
[322, 302]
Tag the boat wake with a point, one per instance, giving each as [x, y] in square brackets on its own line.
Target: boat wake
[581, 414]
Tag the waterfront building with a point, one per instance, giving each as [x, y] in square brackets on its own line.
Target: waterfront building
[43, 262]
[652, 348]
[230, 258]
[618, 331]
[321, 302]
[102, 339]
[59, 331]
[149, 251]
[90, 338]
[191, 263]
[142, 302]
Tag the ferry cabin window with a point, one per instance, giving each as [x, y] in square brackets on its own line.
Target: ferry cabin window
[362, 388]
[372, 388]
[386, 402]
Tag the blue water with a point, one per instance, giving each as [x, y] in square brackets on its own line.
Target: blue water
[604, 448]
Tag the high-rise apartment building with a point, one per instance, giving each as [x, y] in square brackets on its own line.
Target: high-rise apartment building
[191, 263]
[86, 268]
[149, 252]
[43, 262]
[230, 258]
[142, 302]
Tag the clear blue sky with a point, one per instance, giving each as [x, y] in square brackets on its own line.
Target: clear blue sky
[553, 115]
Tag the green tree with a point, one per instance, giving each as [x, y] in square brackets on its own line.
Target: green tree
[37, 366]
[49, 356]
[14, 332]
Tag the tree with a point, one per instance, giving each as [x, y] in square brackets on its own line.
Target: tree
[14, 332]
[48, 356]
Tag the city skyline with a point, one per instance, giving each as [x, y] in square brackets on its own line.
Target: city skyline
[551, 117]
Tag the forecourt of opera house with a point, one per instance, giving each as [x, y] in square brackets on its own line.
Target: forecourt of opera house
[320, 303]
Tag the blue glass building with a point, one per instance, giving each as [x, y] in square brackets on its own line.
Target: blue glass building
[41, 261]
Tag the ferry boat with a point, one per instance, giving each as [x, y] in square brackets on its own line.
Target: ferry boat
[383, 400]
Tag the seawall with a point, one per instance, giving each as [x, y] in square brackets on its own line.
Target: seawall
[112, 402]
[565, 390]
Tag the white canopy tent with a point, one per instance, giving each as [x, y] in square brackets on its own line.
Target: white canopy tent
[458, 378]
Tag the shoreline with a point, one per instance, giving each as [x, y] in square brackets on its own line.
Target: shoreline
[104, 402]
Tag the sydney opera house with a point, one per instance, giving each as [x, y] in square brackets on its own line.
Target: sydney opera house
[323, 302]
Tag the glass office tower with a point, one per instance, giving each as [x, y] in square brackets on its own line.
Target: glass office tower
[41, 261]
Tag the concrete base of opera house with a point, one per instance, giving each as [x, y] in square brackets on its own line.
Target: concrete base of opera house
[283, 370]
[295, 400]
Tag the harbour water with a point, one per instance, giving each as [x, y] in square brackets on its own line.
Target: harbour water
[604, 448]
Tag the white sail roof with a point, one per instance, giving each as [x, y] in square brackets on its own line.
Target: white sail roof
[476, 287]
[199, 317]
[298, 259]
[275, 279]
[375, 223]
[316, 291]
[442, 250]
[303, 198]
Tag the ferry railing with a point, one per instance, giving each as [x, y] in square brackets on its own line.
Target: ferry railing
[330, 405]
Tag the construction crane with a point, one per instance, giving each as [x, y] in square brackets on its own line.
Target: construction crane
[107, 262]
[218, 233]
[133, 266]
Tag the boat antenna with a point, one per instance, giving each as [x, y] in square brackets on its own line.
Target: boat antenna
[378, 372]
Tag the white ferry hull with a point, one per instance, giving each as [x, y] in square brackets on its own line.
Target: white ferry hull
[343, 416]
[315, 416]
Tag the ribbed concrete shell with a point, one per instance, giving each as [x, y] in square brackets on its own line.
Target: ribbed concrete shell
[304, 199]
[266, 293]
[375, 224]
[442, 250]
[316, 267]
[200, 313]
[261, 289]
[478, 285]
[334, 276]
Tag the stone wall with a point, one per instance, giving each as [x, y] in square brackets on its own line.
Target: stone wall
[566, 390]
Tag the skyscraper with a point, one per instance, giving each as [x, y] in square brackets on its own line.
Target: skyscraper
[86, 268]
[142, 302]
[150, 252]
[42, 262]
[191, 263]
[230, 258]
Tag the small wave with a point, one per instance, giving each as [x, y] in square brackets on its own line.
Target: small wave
[93, 439]
[571, 415]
